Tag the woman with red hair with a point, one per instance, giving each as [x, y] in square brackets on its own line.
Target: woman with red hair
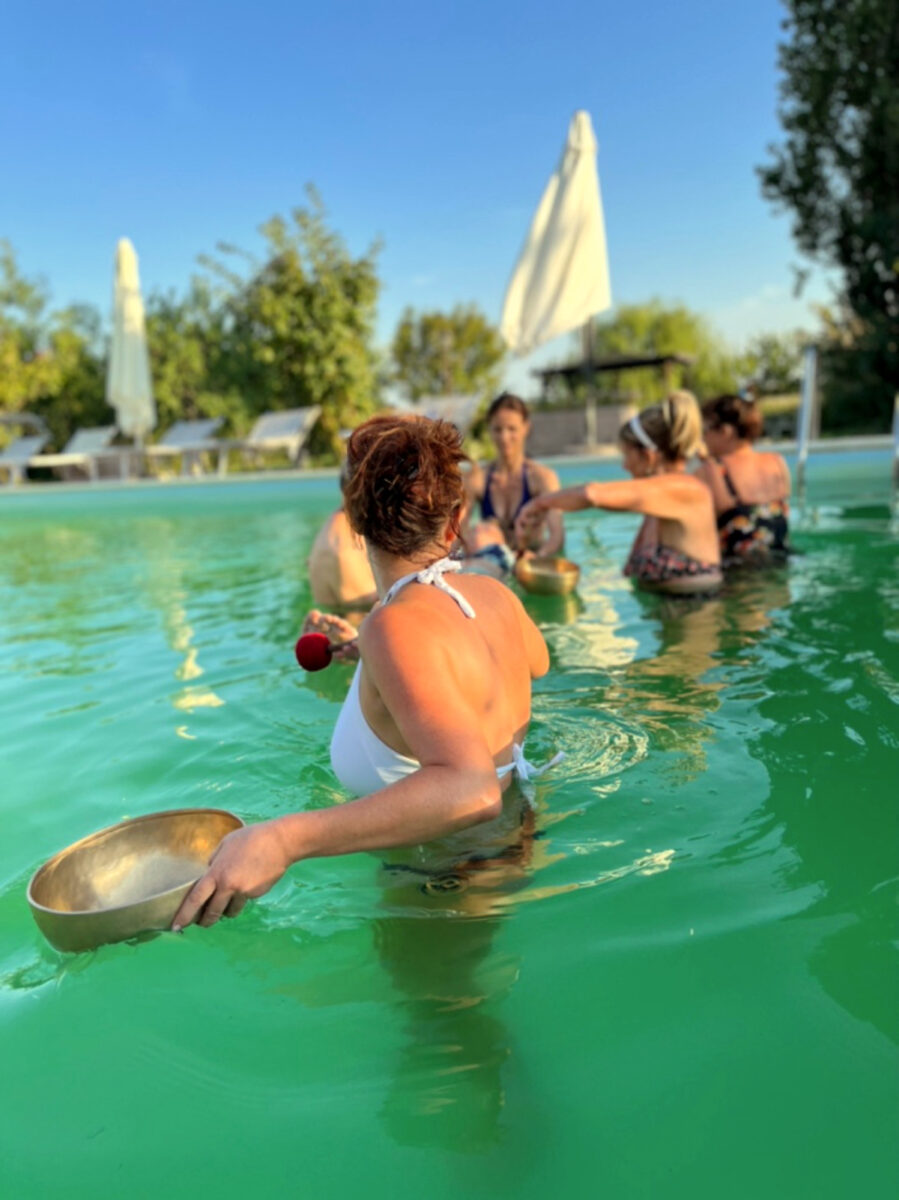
[432, 731]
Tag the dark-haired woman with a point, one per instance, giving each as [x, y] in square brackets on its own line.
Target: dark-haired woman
[498, 492]
[676, 550]
[750, 490]
[432, 731]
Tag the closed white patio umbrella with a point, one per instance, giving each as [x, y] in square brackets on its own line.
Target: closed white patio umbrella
[561, 278]
[129, 388]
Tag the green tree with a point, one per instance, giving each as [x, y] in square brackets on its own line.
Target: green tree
[298, 329]
[854, 374]
[50, 363]
[445, 354]
[656, 329]
[25, 370]
[75, 398]
[293, 330]
[186, 339]
[773, 361]
[837, 172]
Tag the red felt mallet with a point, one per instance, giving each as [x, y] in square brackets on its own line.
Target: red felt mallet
[314, 652]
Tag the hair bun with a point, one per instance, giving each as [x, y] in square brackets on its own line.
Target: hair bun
[404, 485]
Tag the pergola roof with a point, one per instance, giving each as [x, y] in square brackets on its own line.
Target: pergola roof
[618, 362]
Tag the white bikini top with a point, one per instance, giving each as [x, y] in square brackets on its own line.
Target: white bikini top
[360, 760]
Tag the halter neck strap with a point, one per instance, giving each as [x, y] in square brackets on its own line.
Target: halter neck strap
[433, 575]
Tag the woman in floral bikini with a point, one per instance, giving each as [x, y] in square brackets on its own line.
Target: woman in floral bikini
[750, 490]
[676, 550]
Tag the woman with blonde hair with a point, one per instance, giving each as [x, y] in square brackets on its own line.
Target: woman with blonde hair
[676, 550]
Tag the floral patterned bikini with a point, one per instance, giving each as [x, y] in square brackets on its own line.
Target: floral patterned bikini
[662, 564]
[653, 564]
[752, 531]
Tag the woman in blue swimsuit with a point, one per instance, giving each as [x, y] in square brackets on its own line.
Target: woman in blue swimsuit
[498, 493]
[432, 732]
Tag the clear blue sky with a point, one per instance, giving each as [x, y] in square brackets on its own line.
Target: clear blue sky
[433, 126]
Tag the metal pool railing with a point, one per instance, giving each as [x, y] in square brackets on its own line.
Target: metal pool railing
[895, 496]
[807, 416]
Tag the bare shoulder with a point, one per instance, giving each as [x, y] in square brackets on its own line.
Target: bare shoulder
[420, 613]
[776, 467]
[681, 488]
[475, 476]
[483, 590]
[381, 630]
[541, 477]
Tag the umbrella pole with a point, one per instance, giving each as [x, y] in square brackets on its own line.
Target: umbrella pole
[138, 457]
[587, 347]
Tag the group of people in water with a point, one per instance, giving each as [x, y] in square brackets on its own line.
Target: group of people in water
[431, 735]
[732, 510]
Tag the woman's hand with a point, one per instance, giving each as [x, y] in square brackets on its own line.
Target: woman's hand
[340, 633]
[529, 518]
[246, 864]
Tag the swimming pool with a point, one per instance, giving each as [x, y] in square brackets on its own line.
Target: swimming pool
[691, 987]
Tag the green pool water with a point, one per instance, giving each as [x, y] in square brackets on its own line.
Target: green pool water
[690, 989]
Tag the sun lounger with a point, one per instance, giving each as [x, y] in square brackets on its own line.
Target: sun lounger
[187, 440]
[15, 458]
[458, 410]
[85, 449]
[287, 430]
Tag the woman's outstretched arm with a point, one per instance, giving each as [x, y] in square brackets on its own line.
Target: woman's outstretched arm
[656, 496]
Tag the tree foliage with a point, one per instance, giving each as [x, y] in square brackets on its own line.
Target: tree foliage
[290, 329]
[185, 336]
[856, 368]
[297, 329]
[50, 363]
[656, 329]
[773, 362]
[447, 353]
[837, 172]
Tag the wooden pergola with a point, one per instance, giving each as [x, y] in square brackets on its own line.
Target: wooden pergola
[589, 370]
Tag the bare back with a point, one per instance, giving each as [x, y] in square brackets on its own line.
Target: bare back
[758, 477]
[339, 571]
[484, 664]
[680, 515]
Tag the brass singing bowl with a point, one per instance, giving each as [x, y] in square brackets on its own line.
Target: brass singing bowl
[127, 879]
[548, 576]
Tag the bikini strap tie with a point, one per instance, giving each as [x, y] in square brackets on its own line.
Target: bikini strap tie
[433, 575]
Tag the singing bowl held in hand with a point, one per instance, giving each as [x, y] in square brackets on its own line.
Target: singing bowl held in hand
[547, 576]
[127, 879]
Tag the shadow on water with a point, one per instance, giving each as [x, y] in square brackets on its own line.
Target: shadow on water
[438, 947]
[446, 1085]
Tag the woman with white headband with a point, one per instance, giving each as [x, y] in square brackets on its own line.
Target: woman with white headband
[677, 548]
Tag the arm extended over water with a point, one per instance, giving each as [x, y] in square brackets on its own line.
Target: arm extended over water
[656, 496]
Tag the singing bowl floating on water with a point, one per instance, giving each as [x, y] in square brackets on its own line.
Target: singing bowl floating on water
[548, 576]
[127, 879]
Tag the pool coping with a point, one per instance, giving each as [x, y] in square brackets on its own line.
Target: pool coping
[292, 475]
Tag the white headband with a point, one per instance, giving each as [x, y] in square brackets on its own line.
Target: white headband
[636, 427]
